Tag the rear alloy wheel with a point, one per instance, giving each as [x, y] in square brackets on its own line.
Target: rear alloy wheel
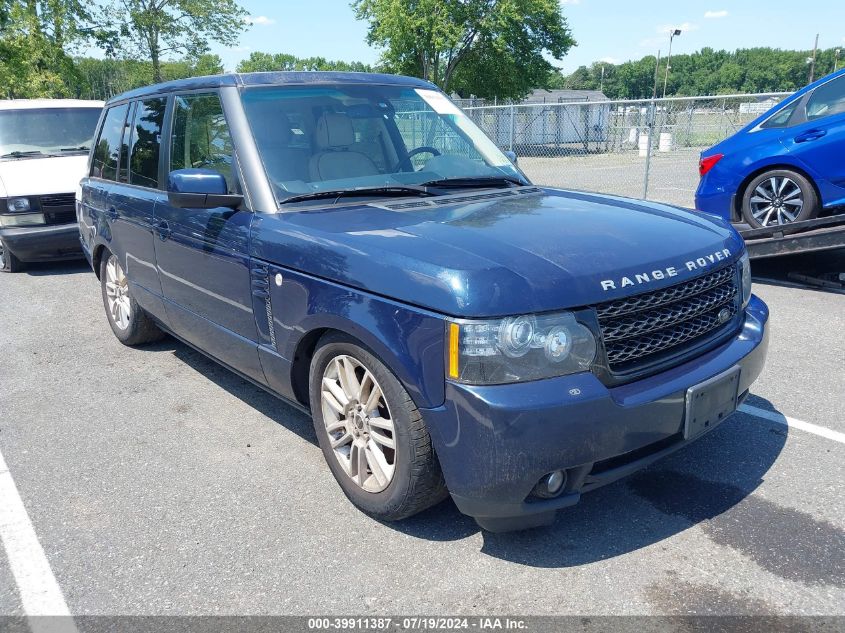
[129, 322]
[779, 197]
[8, 262]
[372, 436]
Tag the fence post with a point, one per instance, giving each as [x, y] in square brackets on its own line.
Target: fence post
[512, 130]
[650, 116]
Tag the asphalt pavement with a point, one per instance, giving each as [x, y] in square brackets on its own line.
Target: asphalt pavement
[159, 483]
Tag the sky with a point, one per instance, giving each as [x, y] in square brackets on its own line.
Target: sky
[609, 30]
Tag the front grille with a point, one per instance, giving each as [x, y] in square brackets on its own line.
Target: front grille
[57, 200]
[640, 329]
[59, 208]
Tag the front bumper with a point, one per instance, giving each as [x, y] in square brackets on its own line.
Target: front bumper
[43, 243]
[494, 443]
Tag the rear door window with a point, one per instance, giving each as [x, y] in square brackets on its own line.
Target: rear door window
[146, 142]
[107, 150]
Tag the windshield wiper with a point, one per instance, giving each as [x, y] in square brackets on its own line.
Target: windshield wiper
[81, 148]
[385, 190]
[482, 181]
[22, 154]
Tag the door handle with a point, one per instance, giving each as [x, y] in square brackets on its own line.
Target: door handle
[810, 135]
[112, 213]
[163, 230]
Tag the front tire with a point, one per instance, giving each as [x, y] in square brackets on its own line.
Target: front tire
[129, 322]
[779, 197]
[8, 262]
[371, 433]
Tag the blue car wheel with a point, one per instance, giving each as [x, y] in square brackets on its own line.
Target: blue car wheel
[777, 197]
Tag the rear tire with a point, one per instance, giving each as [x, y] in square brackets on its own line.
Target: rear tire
[778, 197]
[359, 410]
[129, 322]
[8, 262]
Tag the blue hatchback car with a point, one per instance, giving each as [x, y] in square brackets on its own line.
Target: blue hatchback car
[354, 244]
[785, 166]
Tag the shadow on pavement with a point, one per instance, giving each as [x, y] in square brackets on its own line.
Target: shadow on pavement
[48, 269]
[710, 484]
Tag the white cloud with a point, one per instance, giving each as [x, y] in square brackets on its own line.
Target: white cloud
[565, 2]
[609, 60]
[261, 20]
[712, 15]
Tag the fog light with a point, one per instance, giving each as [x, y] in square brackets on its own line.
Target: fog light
[550, 485]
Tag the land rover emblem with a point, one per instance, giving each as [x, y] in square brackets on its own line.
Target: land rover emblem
[724, 315]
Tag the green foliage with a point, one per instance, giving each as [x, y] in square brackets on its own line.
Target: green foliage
[706, 72]
[489, 48]
[154, 29]
[104, 78]
[34, 36]
[264, 62]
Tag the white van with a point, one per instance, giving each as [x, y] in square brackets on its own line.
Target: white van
[44, 147]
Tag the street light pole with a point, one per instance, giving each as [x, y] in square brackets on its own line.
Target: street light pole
[672, 35]
[813, 60]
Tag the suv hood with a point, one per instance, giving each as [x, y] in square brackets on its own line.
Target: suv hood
[38, 176]
[532, 252]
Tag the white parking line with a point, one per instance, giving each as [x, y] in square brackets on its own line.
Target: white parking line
[39, 592]
[779, 418]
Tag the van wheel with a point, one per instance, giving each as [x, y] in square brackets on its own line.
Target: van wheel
[129, 322]
[371, 434]
[778, 197]
[8, 262]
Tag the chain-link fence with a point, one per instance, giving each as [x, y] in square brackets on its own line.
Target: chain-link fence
[641, 149]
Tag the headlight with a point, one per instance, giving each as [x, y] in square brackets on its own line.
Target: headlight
[517, 349]
[22, 219]
[17, 205]
[745, 278]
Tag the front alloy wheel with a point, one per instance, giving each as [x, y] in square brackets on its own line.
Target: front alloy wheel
[358, 423]
[372, 436]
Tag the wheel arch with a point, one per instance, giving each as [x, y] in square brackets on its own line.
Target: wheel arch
[97, 257]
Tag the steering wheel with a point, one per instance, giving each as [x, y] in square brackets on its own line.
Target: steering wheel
[406, 163]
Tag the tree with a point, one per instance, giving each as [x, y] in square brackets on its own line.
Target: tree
[156, 29]
[264, 62]
[485, 47]
[33, 37]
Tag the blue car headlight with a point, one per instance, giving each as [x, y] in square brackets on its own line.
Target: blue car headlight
[518, 349]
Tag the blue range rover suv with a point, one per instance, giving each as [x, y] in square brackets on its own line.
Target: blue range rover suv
[785, 166]
[355, 244]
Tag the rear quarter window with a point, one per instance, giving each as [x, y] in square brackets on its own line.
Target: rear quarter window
[107, 149]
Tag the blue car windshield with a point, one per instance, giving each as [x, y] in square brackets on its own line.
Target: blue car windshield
[344, 137]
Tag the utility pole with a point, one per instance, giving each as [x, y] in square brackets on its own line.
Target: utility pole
[656, 74]
[672, 35]
[601, 83]
[813, 61]
[836, 59]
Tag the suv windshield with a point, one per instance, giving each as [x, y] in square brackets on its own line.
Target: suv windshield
[33, 132]
[346, 137]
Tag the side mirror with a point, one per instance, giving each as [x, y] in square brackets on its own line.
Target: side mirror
[200, 189]
[511, 156]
